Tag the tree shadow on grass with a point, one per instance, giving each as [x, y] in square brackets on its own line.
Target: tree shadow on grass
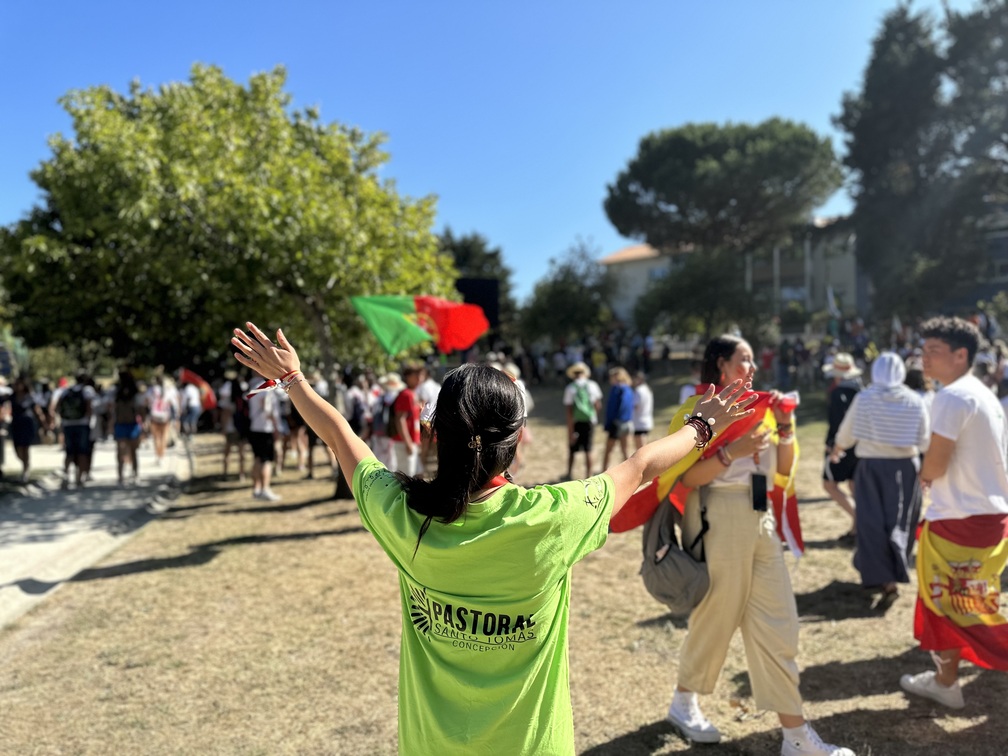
[202, 554]
[868, 732]
[293, 506]
[656, 737]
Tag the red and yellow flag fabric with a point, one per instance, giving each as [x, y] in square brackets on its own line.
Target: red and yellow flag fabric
[959, 564]
[783, 497]
[207, 397]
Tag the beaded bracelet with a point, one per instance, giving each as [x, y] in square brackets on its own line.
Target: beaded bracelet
[703, 429]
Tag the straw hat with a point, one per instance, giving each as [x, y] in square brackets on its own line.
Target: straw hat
[391, 382]
[842, 367]
[577, 369]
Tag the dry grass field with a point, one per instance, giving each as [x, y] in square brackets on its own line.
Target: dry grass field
[237, 626]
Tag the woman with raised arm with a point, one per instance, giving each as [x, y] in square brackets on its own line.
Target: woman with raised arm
[484, 565]
[750, 589]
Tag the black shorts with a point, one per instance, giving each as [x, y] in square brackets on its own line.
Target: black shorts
[842, 470]
[262, 446]
[582, 437]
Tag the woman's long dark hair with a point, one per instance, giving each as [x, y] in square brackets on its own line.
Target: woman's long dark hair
[476, 425]
[127, 389]
[722, 346]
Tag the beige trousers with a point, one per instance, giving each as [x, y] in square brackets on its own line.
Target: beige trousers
[750, 589]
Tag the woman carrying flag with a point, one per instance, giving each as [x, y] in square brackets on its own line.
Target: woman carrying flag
[742, 479]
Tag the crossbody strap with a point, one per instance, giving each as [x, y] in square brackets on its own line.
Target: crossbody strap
[704, 525]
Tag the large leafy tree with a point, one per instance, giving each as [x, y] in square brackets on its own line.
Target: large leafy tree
[172, 215]
[977, 66]
[473, 257]
[569, 302]
[708, 187]
[927, 138]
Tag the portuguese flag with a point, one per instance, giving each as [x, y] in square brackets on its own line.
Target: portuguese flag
[399, 322]
[783, 497]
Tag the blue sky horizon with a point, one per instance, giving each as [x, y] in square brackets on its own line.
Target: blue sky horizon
[515, 116]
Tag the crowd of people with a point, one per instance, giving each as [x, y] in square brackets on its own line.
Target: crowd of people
[430, 465]
[929, 418]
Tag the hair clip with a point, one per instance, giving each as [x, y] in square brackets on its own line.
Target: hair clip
[476, 443]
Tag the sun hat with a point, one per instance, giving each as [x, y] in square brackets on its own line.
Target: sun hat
[578, 368]
[391, 382]
[843, 366]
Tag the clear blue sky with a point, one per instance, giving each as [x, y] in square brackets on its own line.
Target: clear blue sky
[516, 115]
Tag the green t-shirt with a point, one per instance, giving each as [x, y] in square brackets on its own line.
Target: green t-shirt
[483, 665]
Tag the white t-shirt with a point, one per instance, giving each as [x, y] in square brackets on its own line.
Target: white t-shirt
[643, 409]
[976, 482]
[192, 396]
[264, 412]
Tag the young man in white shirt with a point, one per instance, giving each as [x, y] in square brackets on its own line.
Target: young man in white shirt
[961, 552]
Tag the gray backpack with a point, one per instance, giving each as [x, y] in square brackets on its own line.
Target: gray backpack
[671, 574]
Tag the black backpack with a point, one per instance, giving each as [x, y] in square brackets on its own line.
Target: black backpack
[671, 574]
[72, 405]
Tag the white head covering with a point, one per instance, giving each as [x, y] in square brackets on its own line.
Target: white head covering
[888, 370]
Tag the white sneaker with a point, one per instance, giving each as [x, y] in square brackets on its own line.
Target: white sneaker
[810, 744]
[684, 714]
[925, 684]
[268, 495]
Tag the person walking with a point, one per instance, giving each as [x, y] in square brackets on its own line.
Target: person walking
[234, 419]
[27, 416]
[619, 414]
[404, 423]
[887, 425]
[126, 408]
[643, 411]
[264, 432]
[74, 410]
[582, 400]
[963, 546]
[839, 466]
[483, 658]
[750, 589]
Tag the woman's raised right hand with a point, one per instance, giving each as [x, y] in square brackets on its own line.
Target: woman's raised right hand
[258, 352]
[726, 406]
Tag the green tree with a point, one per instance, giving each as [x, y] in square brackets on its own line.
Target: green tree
[173, 215]
[735, 187]
[977, 66]
[926, 145]
[570, 301]
[473, 257]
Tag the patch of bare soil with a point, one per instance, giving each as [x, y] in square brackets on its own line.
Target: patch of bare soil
[232, 625]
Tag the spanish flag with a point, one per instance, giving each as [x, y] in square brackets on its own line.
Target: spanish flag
[208, 399]
[783, 497]
[959, 564]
